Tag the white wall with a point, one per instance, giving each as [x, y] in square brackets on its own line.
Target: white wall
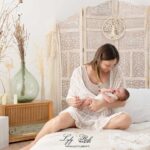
[48, 11]
[39, 15]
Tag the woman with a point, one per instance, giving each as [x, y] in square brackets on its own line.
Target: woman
[86, 81]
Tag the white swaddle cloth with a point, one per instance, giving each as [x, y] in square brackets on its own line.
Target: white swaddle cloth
[100, 97]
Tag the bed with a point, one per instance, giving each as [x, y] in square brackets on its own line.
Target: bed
[137, 137]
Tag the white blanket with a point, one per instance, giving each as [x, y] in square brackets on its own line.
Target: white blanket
[137, 137]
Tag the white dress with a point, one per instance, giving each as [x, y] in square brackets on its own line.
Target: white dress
[79, 86]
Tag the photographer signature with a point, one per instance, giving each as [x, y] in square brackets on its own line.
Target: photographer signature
[70, 140]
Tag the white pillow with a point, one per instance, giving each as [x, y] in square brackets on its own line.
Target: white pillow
[138, 105]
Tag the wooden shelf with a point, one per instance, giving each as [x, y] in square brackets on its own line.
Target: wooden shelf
[39, 111]
[24, 137]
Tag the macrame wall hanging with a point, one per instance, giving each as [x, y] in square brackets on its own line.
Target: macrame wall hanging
[114, 27]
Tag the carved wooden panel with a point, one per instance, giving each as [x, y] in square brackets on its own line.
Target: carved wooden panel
[95, 39]
[131, 10]
[104, 9]
[70, 45]
[125, 63]
[64, 64]
[65, 86]
[69, 40]
[132, 40]
[135, 42]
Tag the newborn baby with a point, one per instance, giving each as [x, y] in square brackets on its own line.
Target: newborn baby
[121, 94]
[109, 95]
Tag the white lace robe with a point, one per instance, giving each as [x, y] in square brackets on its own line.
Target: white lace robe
[85, 118]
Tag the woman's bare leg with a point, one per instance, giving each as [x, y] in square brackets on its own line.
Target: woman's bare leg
[122, 121]
[62, 121]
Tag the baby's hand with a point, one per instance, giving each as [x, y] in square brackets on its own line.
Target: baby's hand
[103, 90]
[94, 106]
[86, 102]
[75, 102]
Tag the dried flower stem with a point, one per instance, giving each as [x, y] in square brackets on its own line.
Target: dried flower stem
[5, 25]
[3, 85]
[21, 36]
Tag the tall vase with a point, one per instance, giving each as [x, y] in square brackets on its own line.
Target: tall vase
[25, 85]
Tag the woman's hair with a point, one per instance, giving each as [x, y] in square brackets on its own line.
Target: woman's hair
[105, 52]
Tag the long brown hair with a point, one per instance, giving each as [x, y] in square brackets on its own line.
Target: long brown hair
[105, 52]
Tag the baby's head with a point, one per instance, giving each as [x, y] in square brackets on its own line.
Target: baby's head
[122, 94]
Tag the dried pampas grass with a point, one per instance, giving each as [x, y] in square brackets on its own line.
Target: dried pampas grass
[21, 37]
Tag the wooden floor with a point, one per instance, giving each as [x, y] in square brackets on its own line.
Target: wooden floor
[16, 146]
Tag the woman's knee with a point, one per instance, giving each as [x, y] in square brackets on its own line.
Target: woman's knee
[65, 117]
[63, 120]
[124, 121]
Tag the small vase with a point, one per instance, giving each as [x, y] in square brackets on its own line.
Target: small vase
[25, 85]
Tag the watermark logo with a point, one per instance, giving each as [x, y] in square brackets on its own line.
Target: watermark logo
[81, 140]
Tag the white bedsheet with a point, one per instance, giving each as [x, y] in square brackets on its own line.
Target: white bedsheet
[137, 137]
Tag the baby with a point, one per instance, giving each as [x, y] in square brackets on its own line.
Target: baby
[109, 95]
[120, 94]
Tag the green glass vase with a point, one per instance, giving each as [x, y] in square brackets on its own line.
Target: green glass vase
[25, 85]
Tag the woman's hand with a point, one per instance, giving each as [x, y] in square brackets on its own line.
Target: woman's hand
[103, 90]
[86, 102]
[115, 104]
[95, 105]
[75, 102]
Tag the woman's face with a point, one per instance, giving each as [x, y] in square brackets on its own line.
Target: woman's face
[107, 65]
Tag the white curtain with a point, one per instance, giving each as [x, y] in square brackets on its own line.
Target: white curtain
[54, 68]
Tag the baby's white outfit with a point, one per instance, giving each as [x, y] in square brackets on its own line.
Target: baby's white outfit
[100, 97]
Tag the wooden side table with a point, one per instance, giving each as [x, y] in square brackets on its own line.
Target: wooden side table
[26, 119]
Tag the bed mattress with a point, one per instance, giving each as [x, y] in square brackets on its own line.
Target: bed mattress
[137, 137]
